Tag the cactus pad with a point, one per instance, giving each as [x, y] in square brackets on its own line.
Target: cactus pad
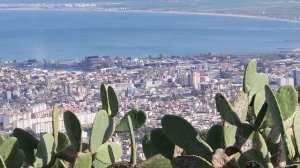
[44, 150]
[9, 150]
[83, 160]
[287, 98]
[290, 142]
[63, 141]
[226, 110]
[73, 129]
[109, 153]
[260, 116]
[18, 159]
[99, 129]
[109, 100]
[183, 134]
[2, 163]
[258, 105]
[215, 137]
[98, 164]
[254, 82]
[113, 101]
[104, 99]
[274, 109]
[27, 143]
[138, 118]
[279, 105]
[161, 143]
[148, 149]
[296, 129]
[55, 125]
[229, 134]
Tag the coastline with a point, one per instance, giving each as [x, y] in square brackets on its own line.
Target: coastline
[216, 14]
[156, 11]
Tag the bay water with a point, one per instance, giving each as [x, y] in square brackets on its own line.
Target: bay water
[39, 34]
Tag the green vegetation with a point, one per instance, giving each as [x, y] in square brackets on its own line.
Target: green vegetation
[260, 128]
[67, 149]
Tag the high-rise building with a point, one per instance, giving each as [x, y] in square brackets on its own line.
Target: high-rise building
[194, 78]
[296, 76]
[191, 79]
[8, 95]
[286, 81]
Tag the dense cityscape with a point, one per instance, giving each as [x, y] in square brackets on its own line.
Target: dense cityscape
[149, 84]
[179, 85]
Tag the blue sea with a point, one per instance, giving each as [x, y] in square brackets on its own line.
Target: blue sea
[75, 34]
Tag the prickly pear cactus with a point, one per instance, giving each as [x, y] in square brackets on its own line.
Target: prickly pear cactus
[226, 110]
[63, 141]
[258, 105]
[104, 98]
[109, 153]
[190, 161]
[133, 154]
[2, 164]
[240, 105]
[161, 143]
[290, 142]
[9, 151]
[138, 118]
[296, 130]
[229, 134]
[282, 105]
[73, 129]
[274, 109]
[109, 100]
[221, 160]
[2, 139]
[148, 149]
[287, 98]
[97, 164]
[83, 160]
[260, 117]
[253, 146]
[230, 117]
[254, 82]
[183, 134]
[44, 151]
[215, 137]
[27, 143]
[55, 125]
[113, 101]
[99, 129]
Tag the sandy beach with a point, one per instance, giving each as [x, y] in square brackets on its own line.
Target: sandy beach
[217, 14]
[155, 11]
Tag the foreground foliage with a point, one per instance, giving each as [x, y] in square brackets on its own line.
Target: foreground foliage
[67, 149]
[260, 128]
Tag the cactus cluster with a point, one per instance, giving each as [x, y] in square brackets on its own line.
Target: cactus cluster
[58, 149]
[260, 128]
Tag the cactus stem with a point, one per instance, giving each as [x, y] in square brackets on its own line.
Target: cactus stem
[132, 140]
[52, 161]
